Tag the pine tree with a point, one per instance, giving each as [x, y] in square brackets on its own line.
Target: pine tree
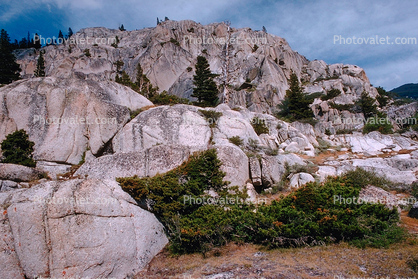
[295, 105]
[367, 105]
[143, 84]
[37, 42]
[70, 32]
[60, 37]
[18, 149]
[205, 89]
[122, 28]
[9, 69]
[40, 66]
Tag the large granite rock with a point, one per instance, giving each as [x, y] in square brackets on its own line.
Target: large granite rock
[149, 162]
[18, 173]
[76, 228]
[66, 117]
[179, 124]
[234, 164]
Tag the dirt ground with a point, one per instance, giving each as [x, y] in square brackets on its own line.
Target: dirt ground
[337, 261]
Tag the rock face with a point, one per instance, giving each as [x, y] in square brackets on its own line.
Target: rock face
[258, 64]
[18, 173]
[149, 162]
[372, 194]
[179, 124]
[65, 117]
[234, 164]
[85, 228]
[299, 179]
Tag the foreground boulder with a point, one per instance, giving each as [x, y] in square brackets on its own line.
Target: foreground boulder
[157, 159]
[18, 173]
[76, 228]
[66, 117]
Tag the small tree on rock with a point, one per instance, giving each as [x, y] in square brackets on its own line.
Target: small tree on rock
[295, 105]
[40, 66]
[18, 149]
[205, 89]
[9, 69]
[367, 105]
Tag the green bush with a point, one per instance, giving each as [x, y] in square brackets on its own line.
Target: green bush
[331, 94]
[134, 113]
[312, 215]
[340, 107]
[236, 140]
[259, 126]
[344, 131]
[383, 125]
[166, 99]
[18, 149]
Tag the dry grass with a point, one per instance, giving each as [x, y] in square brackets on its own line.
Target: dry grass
[252, 261]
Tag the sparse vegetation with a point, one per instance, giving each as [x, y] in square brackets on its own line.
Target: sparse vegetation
[331, 94]
[87, 52]
[367, 105]
[166, 99]
[259, 126]
[341, 107]
[236, 140]
[306, 217]
[381, 124]
[211, 116]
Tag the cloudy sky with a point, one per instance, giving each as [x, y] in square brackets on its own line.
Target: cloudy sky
[313, 28]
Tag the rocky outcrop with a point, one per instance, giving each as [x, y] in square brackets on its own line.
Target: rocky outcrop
[66, 117]
[299, 179]
[18, 173]
[149, 162]
[179, 125]
[234, 164]
[85, 228]
[256, 70]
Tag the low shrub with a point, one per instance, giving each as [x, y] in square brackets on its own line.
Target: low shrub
[236, 140]
[315, 214]
[259, 126]
[383, 125]
[166, 99]
[211, 116]
[331, 94]
[340, 107]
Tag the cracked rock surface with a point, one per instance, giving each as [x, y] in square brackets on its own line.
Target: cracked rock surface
[86, 228]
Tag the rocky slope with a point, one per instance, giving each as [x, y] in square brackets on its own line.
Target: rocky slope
[78, 116]
[257, 61]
